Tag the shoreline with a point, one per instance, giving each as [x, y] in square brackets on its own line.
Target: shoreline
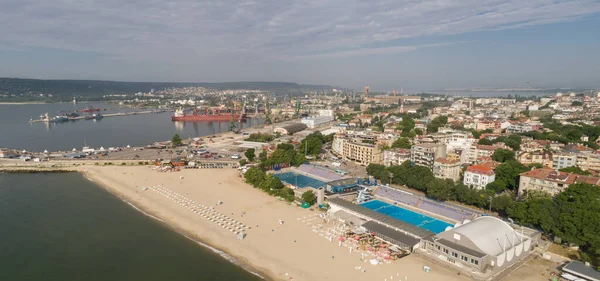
[267, 251]
[230, 257]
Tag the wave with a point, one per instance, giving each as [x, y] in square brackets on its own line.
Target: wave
[224, 255]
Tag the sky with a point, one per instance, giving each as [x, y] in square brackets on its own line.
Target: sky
[383, 44]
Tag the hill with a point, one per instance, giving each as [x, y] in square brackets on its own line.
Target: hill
[17, 88]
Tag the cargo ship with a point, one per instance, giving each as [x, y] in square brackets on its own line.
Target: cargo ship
[208, 115]
[90, 109]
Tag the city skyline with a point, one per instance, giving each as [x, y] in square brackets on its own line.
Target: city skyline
[386, 45]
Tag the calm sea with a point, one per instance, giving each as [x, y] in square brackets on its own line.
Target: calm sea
[64, 227]
[136, 130]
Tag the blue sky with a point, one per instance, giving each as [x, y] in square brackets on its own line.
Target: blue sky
[387, 44]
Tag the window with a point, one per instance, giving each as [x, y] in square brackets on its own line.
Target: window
[438, 247]
[474, 261]
[445, 251]
[454, 254]
[463, 258]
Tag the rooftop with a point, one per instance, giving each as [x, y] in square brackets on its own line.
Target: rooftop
[557, 176]
[447, 161]
[580, 269]
[480, 169]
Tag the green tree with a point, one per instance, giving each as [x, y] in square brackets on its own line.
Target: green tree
[402, 143]
[176, 140]
[440, 189]
[485, 141]
[287, 194]
[309, 197]
[503, 155]
[508, 173]
[312, 144]
[418, 131]
[377, 171]
[243, 162]
[497, 186]
[575, 170]
[476, 134]
[250, 154]
[535, 165]
[271, 184]
[255, 176]
[433, 126]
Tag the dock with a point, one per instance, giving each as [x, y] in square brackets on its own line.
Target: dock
[106, 115]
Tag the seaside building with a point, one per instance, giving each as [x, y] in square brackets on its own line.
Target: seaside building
[395, 156]
[444, 168]
[425, 154]
[486, 244]
[478, 176]
[540, 157]
[551, 181]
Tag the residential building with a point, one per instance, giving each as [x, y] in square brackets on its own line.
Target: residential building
[540, 157]
[551, 181]
[563, 160]
[444, 168]
[478, 151]
[361, 153]
[425, 154]
[395, 156]
[478, 176]
[588, 161]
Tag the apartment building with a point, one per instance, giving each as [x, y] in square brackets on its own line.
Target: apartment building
[588, 161]
[563, 160]
[395, 156]
[541, 157]
[478, 176]
[425, 154]
[361, 153]
[445, 168]
[480, 151]
[551, 181]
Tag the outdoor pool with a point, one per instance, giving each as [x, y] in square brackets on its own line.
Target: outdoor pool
[303, 181]
[408, 216]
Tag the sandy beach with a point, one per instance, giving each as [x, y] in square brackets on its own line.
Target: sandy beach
[288, 251]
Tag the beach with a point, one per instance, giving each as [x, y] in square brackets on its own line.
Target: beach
[288, 251]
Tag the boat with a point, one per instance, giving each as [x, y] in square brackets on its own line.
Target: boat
[95, 116]
[209, 115]
[59, 119]
[90, 109]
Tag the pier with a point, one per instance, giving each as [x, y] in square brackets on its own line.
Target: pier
[105, 115]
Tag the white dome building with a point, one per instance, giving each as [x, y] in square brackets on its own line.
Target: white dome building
[487, 243]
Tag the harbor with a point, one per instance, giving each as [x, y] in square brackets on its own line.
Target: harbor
[95, 117]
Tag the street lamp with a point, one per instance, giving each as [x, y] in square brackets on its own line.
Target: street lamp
[490, 199]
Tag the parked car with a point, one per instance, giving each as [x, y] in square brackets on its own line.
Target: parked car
[236, 156]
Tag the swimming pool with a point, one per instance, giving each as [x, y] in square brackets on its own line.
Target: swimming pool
[303, 181]
[408, 216]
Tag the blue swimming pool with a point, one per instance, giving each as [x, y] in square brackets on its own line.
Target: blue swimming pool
[408, 216]
[303, 181]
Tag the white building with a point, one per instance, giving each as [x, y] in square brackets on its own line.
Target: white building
[316, 121]
[563, 160]
[478, 176]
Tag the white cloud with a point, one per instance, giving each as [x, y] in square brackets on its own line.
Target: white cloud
[192, 30]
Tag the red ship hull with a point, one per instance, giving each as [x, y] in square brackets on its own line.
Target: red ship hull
[91, 110]
[208, 117]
